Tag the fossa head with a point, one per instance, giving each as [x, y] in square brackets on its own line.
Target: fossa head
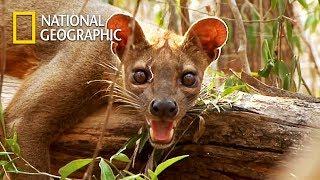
[166, 76]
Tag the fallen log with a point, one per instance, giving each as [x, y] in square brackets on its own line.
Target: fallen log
[246, 141]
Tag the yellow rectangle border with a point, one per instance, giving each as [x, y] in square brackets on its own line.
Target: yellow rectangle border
[33, 27]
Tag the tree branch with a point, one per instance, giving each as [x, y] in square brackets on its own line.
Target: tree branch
[173, 19]
[241, 38]
[185, 19]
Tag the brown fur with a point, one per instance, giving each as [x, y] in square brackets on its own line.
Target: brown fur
[20, 61]
[57, 95]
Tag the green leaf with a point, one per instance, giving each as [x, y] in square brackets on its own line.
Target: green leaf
[10, 167]
[289, 31]
[267, 56]
[265, 72]
[281, 6]
[255, 14]
[232, 89]
[268, 60]
[2, 163]
[283, 73]
[120, 157]
[152, 175]
[130, 143]
[299, 73]
[106, 171]
[308, 22]
[275, 35]
[296, 42]
[5, 153]
[311, 23]
[73, 166]
[161, 167]
[231, 31]
[251, 34]
[133, 177]
[303, 3]
[274, 4]
[159, 18]
[13, 144]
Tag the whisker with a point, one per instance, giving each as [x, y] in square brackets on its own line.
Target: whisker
[100, 91]
[108, 66]
[128, 103]
[119, 92]
[99, 80]
[128, 107]
[122, 100]
[111, 73]
[129, 92]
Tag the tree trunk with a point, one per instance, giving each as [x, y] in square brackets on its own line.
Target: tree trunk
[246, 141]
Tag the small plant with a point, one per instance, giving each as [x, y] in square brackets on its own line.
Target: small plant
[108, 170]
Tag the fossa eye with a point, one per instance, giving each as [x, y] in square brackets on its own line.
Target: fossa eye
[140, 76]
[189, 79]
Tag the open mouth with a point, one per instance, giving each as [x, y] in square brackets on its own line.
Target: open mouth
[161, 133]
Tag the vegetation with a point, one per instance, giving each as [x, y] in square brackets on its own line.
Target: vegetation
[275, 43]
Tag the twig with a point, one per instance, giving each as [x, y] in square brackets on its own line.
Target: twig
[150, 162]
[3, 43]
[37, 171]
[135, 152]
[173, 18]
[6, 173]
[227, 18]
[306, 86]
[311, 54]
[185, 19]
[88, 173]
[8, 156]
[280, 27]
[38, 174]
[3, 63]
[25, 161]
[218, 8]
[241, 38]
[261, 27]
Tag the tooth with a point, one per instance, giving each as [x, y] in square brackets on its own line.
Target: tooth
[171, 133]
[151, 133]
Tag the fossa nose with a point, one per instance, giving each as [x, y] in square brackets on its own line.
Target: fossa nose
[165, 108]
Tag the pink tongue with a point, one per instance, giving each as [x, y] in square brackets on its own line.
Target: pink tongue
[161, 131]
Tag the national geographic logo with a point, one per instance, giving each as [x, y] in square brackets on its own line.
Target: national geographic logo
[64, 27]
[33, 27]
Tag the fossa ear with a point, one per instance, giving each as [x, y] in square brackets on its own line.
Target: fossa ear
[209, 34]
[125, 24]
